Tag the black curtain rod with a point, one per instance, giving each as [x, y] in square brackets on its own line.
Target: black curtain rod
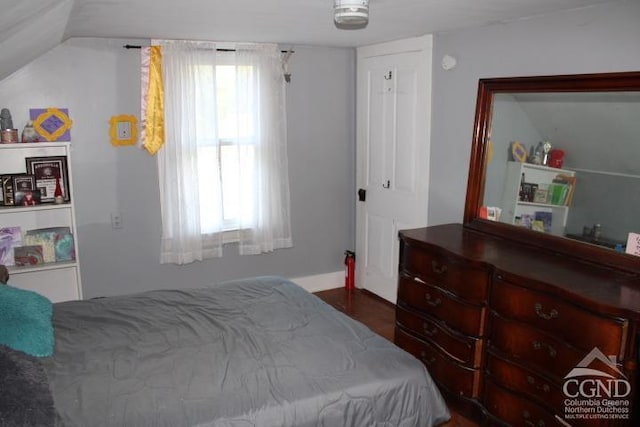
[133, 46]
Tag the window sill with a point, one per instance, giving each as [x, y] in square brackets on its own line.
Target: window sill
[230, 236]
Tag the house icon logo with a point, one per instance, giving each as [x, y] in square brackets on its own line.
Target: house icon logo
[582, 369]
[596, 388]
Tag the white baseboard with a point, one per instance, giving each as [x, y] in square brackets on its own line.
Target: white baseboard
[321, 282]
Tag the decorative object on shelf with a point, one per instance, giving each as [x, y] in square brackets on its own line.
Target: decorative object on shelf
[48, 171]
[556, 158]
[541, 195]
[545, 218]
[570, 182]
[528, 191]
[633, 244]
[535, 155]
[558, 193]
[27, 198]
[10, 237]
[29, 133]
[64, 246]
[518, 152]
[6, 122]
[123, 130]
[52, 124]
[57, 243]
[8, 134]
[23, 182]
[28, 255]
[57, 193]
[546, 148]
[526, 220]
[6, 182]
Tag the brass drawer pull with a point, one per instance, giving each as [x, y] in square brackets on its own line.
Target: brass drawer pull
[433, 303]
[537, 345]
[546, 316]
[429, 332]
[543, 387]
[527, 420]
[438, 269]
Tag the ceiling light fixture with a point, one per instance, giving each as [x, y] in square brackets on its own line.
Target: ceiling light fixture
[351, 13]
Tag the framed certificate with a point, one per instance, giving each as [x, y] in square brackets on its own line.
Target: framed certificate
[47, 172]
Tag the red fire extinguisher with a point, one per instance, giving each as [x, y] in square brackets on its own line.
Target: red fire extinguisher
[350, 270]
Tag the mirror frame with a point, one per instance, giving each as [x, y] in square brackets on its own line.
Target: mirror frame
[487, 88]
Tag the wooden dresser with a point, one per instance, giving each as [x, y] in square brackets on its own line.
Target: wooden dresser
[501, 327]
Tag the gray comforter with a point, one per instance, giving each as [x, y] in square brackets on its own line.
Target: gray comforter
[259, 352]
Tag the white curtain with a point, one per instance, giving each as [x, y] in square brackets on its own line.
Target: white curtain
[265, 222]
[196, 156]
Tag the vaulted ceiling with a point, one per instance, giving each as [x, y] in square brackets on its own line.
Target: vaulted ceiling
[29, 28]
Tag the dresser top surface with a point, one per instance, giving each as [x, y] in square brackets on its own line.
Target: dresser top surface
[604, 288]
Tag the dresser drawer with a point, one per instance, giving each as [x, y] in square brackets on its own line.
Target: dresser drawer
[455, 274]
[464, 349]
[529, 346]
[581, 328]
[516, 410]
[458, 314]
[532, 385]
[454, 377]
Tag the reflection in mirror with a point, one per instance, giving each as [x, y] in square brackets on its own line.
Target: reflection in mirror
[587, 188]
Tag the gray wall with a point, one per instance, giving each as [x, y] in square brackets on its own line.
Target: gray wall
[601, 38]
[509, 123]
[97, 78]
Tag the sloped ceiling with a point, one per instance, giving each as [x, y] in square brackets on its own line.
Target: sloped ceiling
[30, 27]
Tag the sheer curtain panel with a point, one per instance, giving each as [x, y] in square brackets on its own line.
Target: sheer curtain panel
[223, 167]
[265, 220]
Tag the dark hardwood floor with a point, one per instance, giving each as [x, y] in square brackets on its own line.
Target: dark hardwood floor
[380, 316]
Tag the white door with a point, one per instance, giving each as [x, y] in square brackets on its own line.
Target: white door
[393, 128]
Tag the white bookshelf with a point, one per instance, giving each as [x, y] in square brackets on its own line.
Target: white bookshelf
[58, 281]
[513, 208]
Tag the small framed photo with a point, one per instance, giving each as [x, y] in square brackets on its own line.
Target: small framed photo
[23, 183]
[528, 192]
[26, 198]
[6, 183]
[47, 171]
[518, 152]
[541, 196]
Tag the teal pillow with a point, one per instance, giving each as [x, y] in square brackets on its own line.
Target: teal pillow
[26, 321]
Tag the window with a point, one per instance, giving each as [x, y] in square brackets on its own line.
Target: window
[223, 165]
[233, 144]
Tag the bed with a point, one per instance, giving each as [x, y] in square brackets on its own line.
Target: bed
[255, 352]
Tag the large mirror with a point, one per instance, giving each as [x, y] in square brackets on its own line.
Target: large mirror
[555, 163]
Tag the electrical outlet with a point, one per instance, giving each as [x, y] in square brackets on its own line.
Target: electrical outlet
[116, 220]
[124, 130]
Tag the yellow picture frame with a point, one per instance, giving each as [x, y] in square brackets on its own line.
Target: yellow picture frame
[123, 130]
[65, 124]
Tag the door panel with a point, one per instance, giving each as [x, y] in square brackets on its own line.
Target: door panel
[406, 105]
[392, 156]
